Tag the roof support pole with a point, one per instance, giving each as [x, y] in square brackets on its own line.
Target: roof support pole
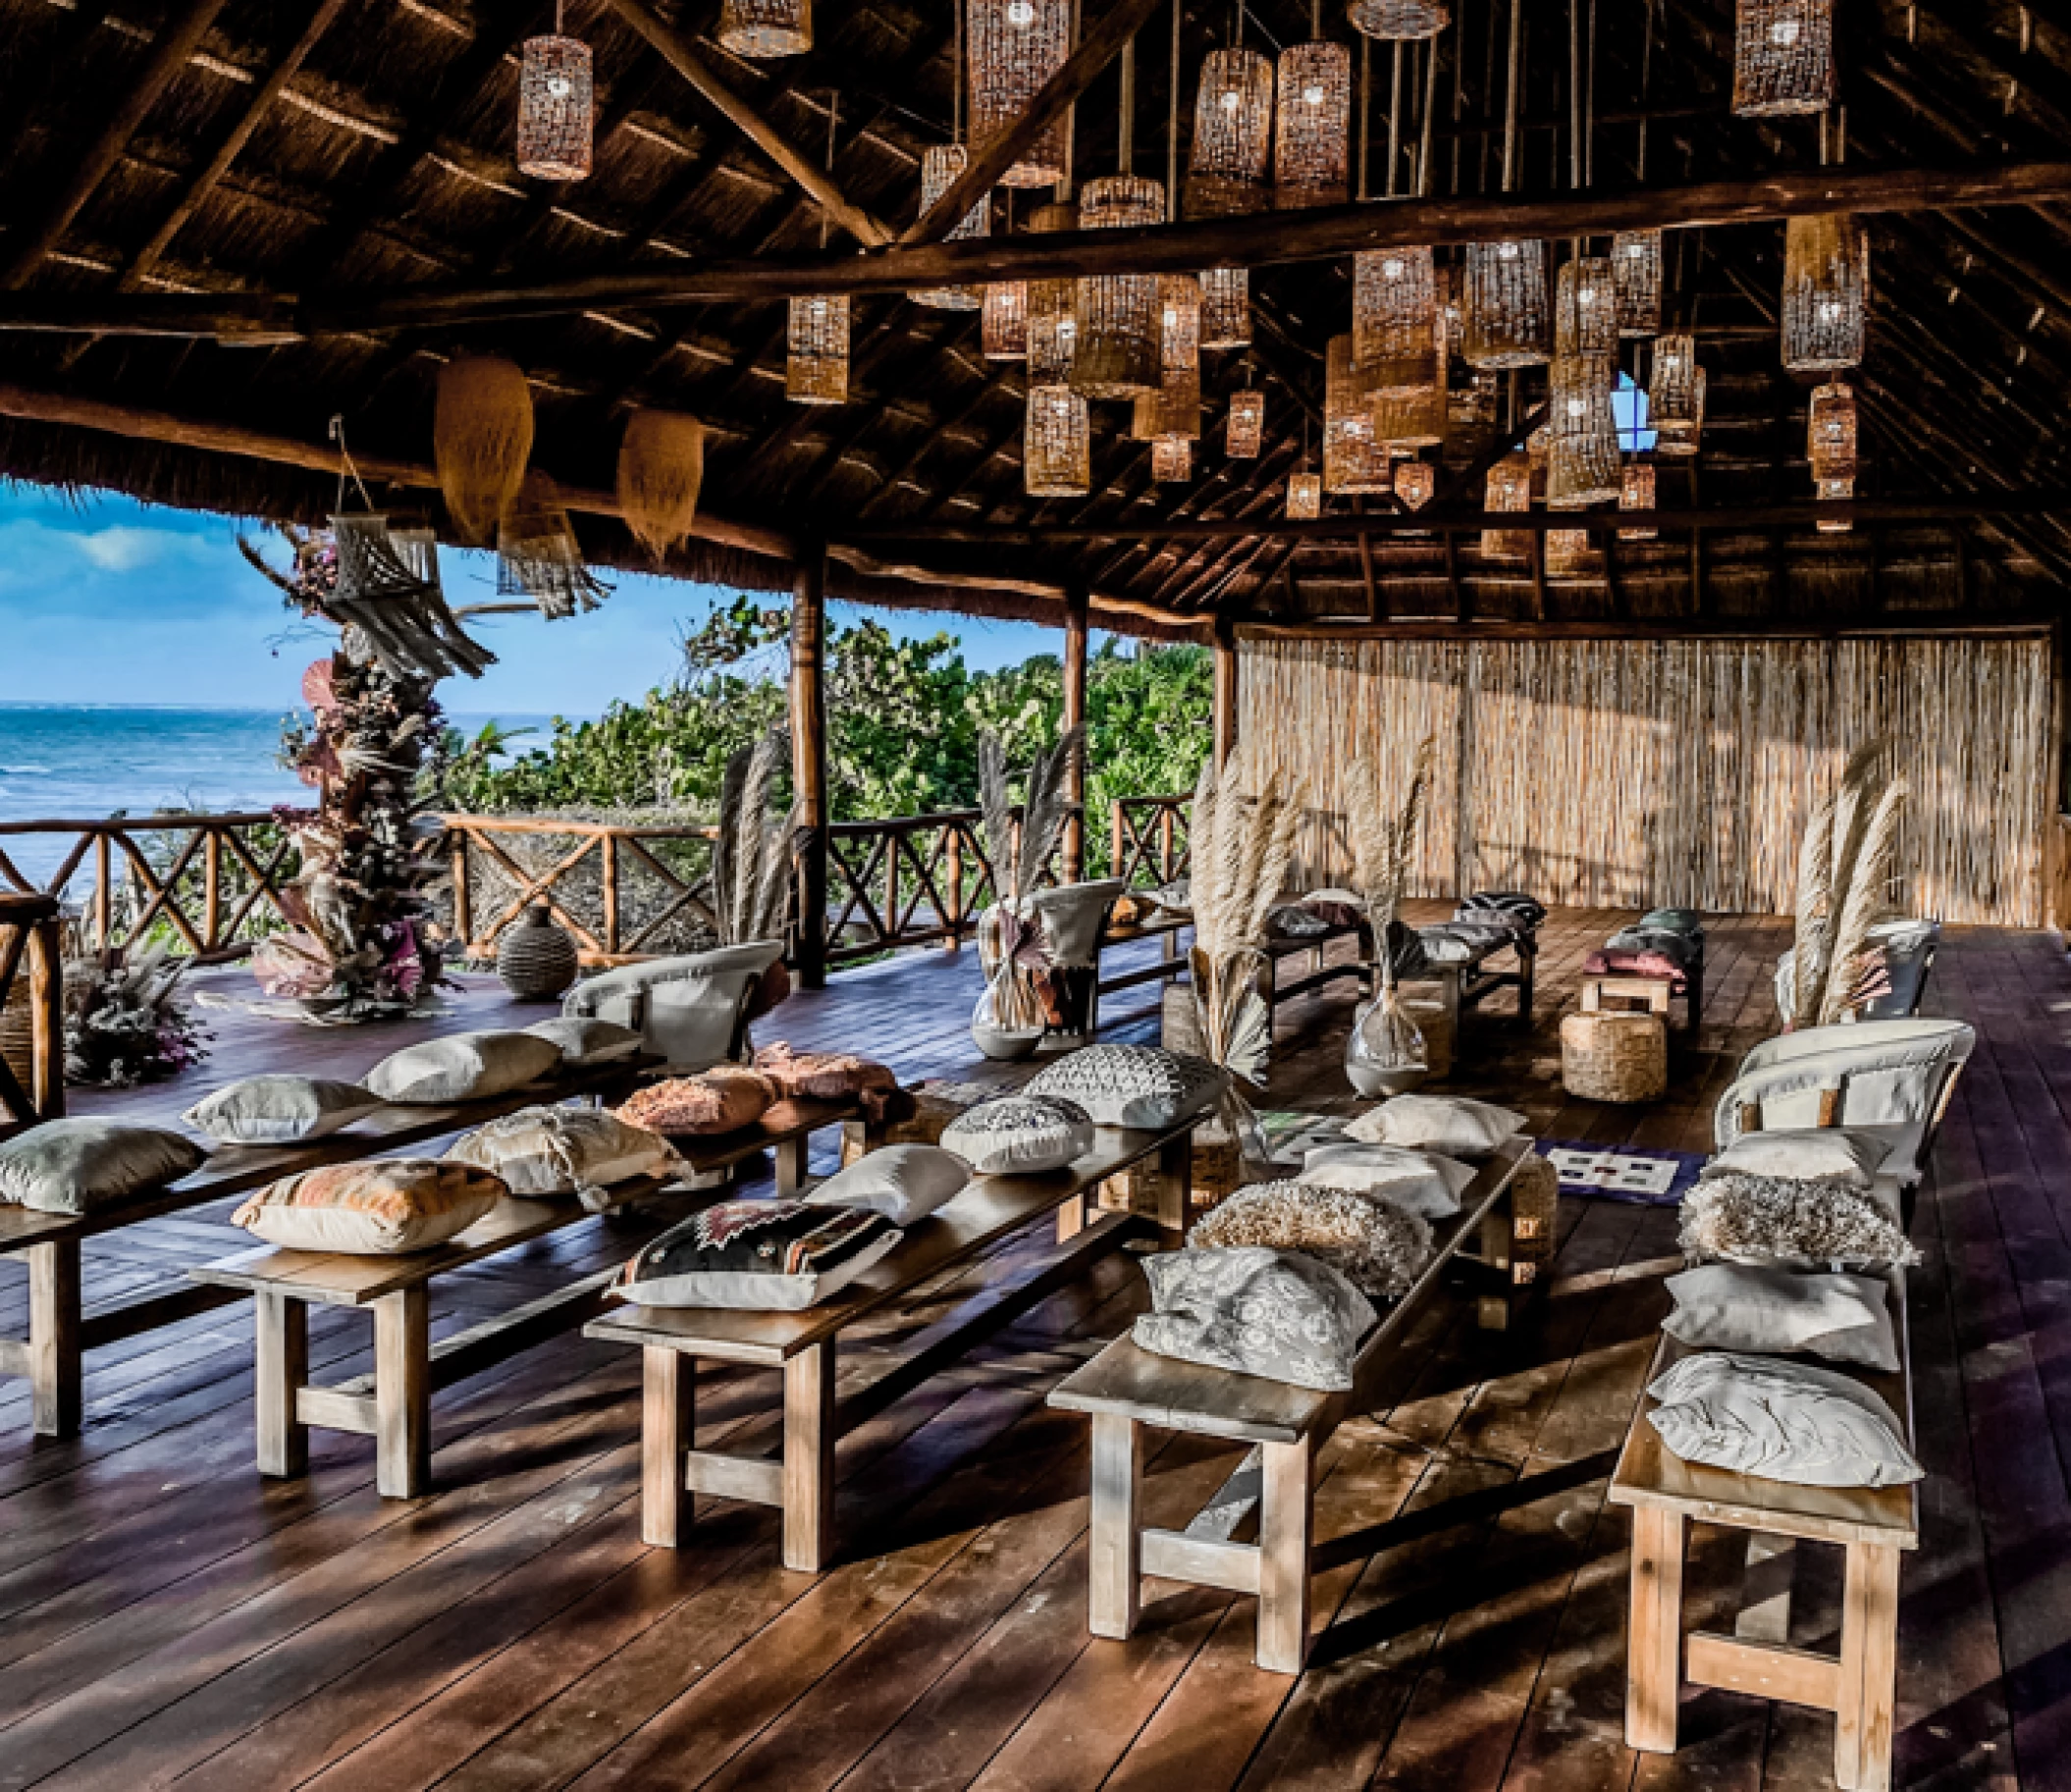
[808, 761]
[1224, 702]
[1075, 632]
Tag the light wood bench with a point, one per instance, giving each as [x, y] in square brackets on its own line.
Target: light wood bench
[799, 1478]
[1126, 1388]
[60, 1332]
[1872, 1525]
[393, 1404]
[1653, 994]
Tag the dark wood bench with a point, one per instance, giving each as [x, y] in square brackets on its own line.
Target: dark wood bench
[392, 1404]
[1167, 928]
[798, 1476]
[1126, 1390]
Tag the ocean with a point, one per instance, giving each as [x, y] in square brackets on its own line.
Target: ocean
[85, 763]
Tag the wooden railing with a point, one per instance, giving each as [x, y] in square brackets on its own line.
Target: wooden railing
[1147, 840]
[32, 1014]
[914, 881]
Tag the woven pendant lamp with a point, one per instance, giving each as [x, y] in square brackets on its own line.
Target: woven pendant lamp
[1171, 459]
[1825, 293]
[1354, 461]
[1304, 496]
[1586, 308]
[661, 471]
[1013, 47]
[1582, 439]
[1783, 57]
[1394, 321]
[1004, 328]
[1399, 21]
[1244, 433]
[482, 429]
[1569, 555]
[761, 28]
[1117, 352]
[1504, 305]
[1508, 488]
[1829, 433]
[1232, 135]
[1053, 324]
[1312, 153]
[1635, 264]
[1471, 409]
[1056, 453]
[1416, 483]
[1226, 308]
[941, 165]
[555, 120]
[1173, 410]
[1636, 492]
[1676, 396]
[817, 364]
[1832, 491]
[1406, 421]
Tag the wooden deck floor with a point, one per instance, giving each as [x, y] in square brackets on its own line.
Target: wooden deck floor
[165, 1617]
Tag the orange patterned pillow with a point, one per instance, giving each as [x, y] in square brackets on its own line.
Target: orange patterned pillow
[722, 1099]
[385, 1209]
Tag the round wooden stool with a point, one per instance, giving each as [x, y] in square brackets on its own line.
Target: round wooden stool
[1614, 1057]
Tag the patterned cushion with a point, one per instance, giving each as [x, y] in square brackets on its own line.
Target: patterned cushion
[549, 1150]
[722, 1099]
[462, 1067]
[81, 1165]
[385, 1209]
[903, 1183]
[1380, 1248]
[1528, 909]
[1271, 1313]
[1132, 1086]
[762, 1256]
[278, 1110]
[1019, 1135]
[1782, 1421]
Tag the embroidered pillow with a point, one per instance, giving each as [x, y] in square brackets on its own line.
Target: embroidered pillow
[1132, 1086]
[903, 1183]
[1780, 1420]
[1020, 1135]
[1449, 1124]
[553, 1150]
[1378, 1247]
[1791, 1224]
[583, 1041]
[278, 1110]
[764, 1256]
[723, 1100]
[462, 1067]
[386, 1208]
[1732, 1306]
[81, 1165]
[1276, 1314]
[1421, 1183]
[1841, 1154]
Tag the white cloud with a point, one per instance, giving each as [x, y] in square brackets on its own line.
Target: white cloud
[121, 549]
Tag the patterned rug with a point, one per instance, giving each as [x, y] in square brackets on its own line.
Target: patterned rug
[1627, 1172]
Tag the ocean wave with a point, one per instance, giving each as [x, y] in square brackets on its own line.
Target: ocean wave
[26, 771]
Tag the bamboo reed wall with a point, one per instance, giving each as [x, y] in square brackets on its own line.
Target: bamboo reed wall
[1629, 773]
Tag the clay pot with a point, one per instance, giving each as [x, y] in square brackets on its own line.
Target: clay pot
[536, 959]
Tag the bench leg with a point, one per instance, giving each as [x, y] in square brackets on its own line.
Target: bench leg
[1174, 1187]
[1527, 978]
[809, 1458]
[1286, 1519]
[1862, 1736]
[669, 1381]
[403, 1417]
[1071, 1219]
[55, 1370]
[1654, 1660]
[1492, 1311]
[1115, 1538]
[281, 1368]
[791, 1166]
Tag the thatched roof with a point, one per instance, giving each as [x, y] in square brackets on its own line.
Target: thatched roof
[158, 149]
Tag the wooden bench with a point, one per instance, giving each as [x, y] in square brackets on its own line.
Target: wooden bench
[1872, 1525]
[1173, 966]
[1653, 994]
[393, 1404]
[1126, 1388]
[799, 1477]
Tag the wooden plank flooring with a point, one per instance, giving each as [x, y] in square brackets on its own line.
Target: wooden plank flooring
[165, 1617]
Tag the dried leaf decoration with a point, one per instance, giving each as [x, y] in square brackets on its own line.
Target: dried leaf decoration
[660, 469]
[482, 440]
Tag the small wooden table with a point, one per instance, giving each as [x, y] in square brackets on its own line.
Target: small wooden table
[1653, 993]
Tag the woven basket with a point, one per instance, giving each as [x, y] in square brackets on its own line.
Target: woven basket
[1535, 1210]
[1614, 1057]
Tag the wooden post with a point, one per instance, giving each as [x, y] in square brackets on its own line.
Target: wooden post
[46, 1006]
[953, 853]
[1075, 630]
[666, 1410]
[1654, 1671]
[1225, 704]
[211, 888]
[464, 904]
[808, 761]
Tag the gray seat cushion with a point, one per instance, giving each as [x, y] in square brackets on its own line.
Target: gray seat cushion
[81, 1165]
[1271, 1313]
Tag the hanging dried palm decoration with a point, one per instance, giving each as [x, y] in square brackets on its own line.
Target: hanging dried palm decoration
[1244, 434]
[1636, 492]
[1504, 301]
[1226, 308]
[1846, 867]
[751, 851]
[1635, 265]
[539, 558]
[1172, 460]
[481, 440]
[1829, 432]
[817, 331]
[1508, 488]
[1395, 322]
[1581, 443]
[555, 124]
[1056, 455]
[1384, 1053]
[1825, 293]
[1233, 135]
[1120, 339]
[1015, 47]
[1353, 460]
[1676, 396]
[1783, 57]
[661, 471]
[764, 28]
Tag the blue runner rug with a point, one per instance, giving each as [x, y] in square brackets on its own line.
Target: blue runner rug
[1638, 1173]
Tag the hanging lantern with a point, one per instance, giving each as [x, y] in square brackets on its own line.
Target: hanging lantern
[1117, 352]
[1226, 308]
[1403, 422]
[1353, 460]
[554, 109]
[1829, 433]
[1636, 492]
[1416, 483]
[1676, 396]
[1635, 264]
[1825, 293]
[1783, 57]
[1568, 554]
[1233, 135]
[1244, 433]
[1399, 21]
[1508, 488]
[1834, 491]
[1470, 409]
[1173, 410]
[767, 28]
[1504, 305]
[1582, 439]
[1014, 47]
[1312, 158]
[941, 165]
[1053, 324]
[1004, 328]
[1304, 496]
[1394, 321]
[1056, 451]
[1171, 459]
[816, 368]
[1586, 308]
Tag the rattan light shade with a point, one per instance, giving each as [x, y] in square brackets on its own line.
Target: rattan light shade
[1226, 308]
[1635, 264]
[1825, 293]
[1304, 496]
[1581, 433]
[1783, 57]
[1636, 492]
[1056, 451]
[1586, 308]
[1505, 311]
[1171, 459]
[1410, 420]
[817, 367]
[1012, 48]
[1173, 411]
[1399, 21]
[1244, 434]
[1117, 355]
[1354, 459]
[1828, 491]
[1394, 321]
[941, 165]
[1829, 433]
[1416, 483]
[1508, 488]
[1232, 135]
[767, 28]
[556, 109]
[1676, 396]
[1004, 328]
[1312, 151]
[1569, 555]
[1053, 325]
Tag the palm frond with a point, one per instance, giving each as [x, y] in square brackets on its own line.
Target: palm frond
[997, 816]
[1814, 907]
[748, 842]
[1047, 808]
[1869, 886]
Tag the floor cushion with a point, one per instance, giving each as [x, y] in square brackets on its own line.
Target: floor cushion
[1449, 1124]
[560, 1150]
[280, 1109]
[1421, 1183]
[1020, 1135]
[1736, 1307]
[827, 1077]
[1376, 1245]
[1844, 1154]
[722, 1099]
[1132, 1086]
[1784, 1421]
[903, 1183]
[1737, 1218]
[765, 1256]
[81, 1165]
[1271, 1313]
[463, 1067]
[387, 1207]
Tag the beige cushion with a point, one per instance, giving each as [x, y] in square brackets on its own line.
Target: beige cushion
[556, 1151]
[1450, 1124]
[1784, 1421]
[1791, 1224]
[903, 1183]
[278, 1110]
[1732, 1306]
[386, 1208]
[584, 1041]
[1421, 1183]
[1843, 1154]
[721, 1099]
[462, 1067]
[81, 1165]
[1376, 1245]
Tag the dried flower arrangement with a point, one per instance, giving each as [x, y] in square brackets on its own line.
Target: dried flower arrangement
[125, 1023]
[1384, 1046]
[1846, 871]
[1010, 944]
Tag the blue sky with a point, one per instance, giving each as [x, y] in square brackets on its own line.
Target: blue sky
[106, 601]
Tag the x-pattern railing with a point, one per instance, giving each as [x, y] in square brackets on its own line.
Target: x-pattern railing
[1148, 839]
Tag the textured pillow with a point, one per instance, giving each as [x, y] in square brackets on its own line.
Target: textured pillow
[1529, 910]
[553, 1150]
[385, 1209]
[1730, 1306]
[1837, 1154]
[1377, 1247]
[765, 1256]
[1450, 1124]
[585, 1042]
[723, 1100]
[1132, 1086]
[826, 1077]
[1284, 1316]
[1019, 1135]
[463, 1067]
[278, 1110]
[903, 1183]
[1418, 1182]
[81, 1165]
[1784, 1421]
[1737, 1218]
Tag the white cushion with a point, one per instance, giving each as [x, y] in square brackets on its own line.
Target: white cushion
[687, 1009]
[1784, 1421]
[1020, 1135]
[1132, 1086]
[280, 1109]
[1450, 1124]
[1420, 1182]
[585, 1042]
[81, 1165]
[1072, 916]
[557, 1150]
[1730, 1306]
[1277, 1314]
[1845, 1154]
[903, 1183]
[462, 1067]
